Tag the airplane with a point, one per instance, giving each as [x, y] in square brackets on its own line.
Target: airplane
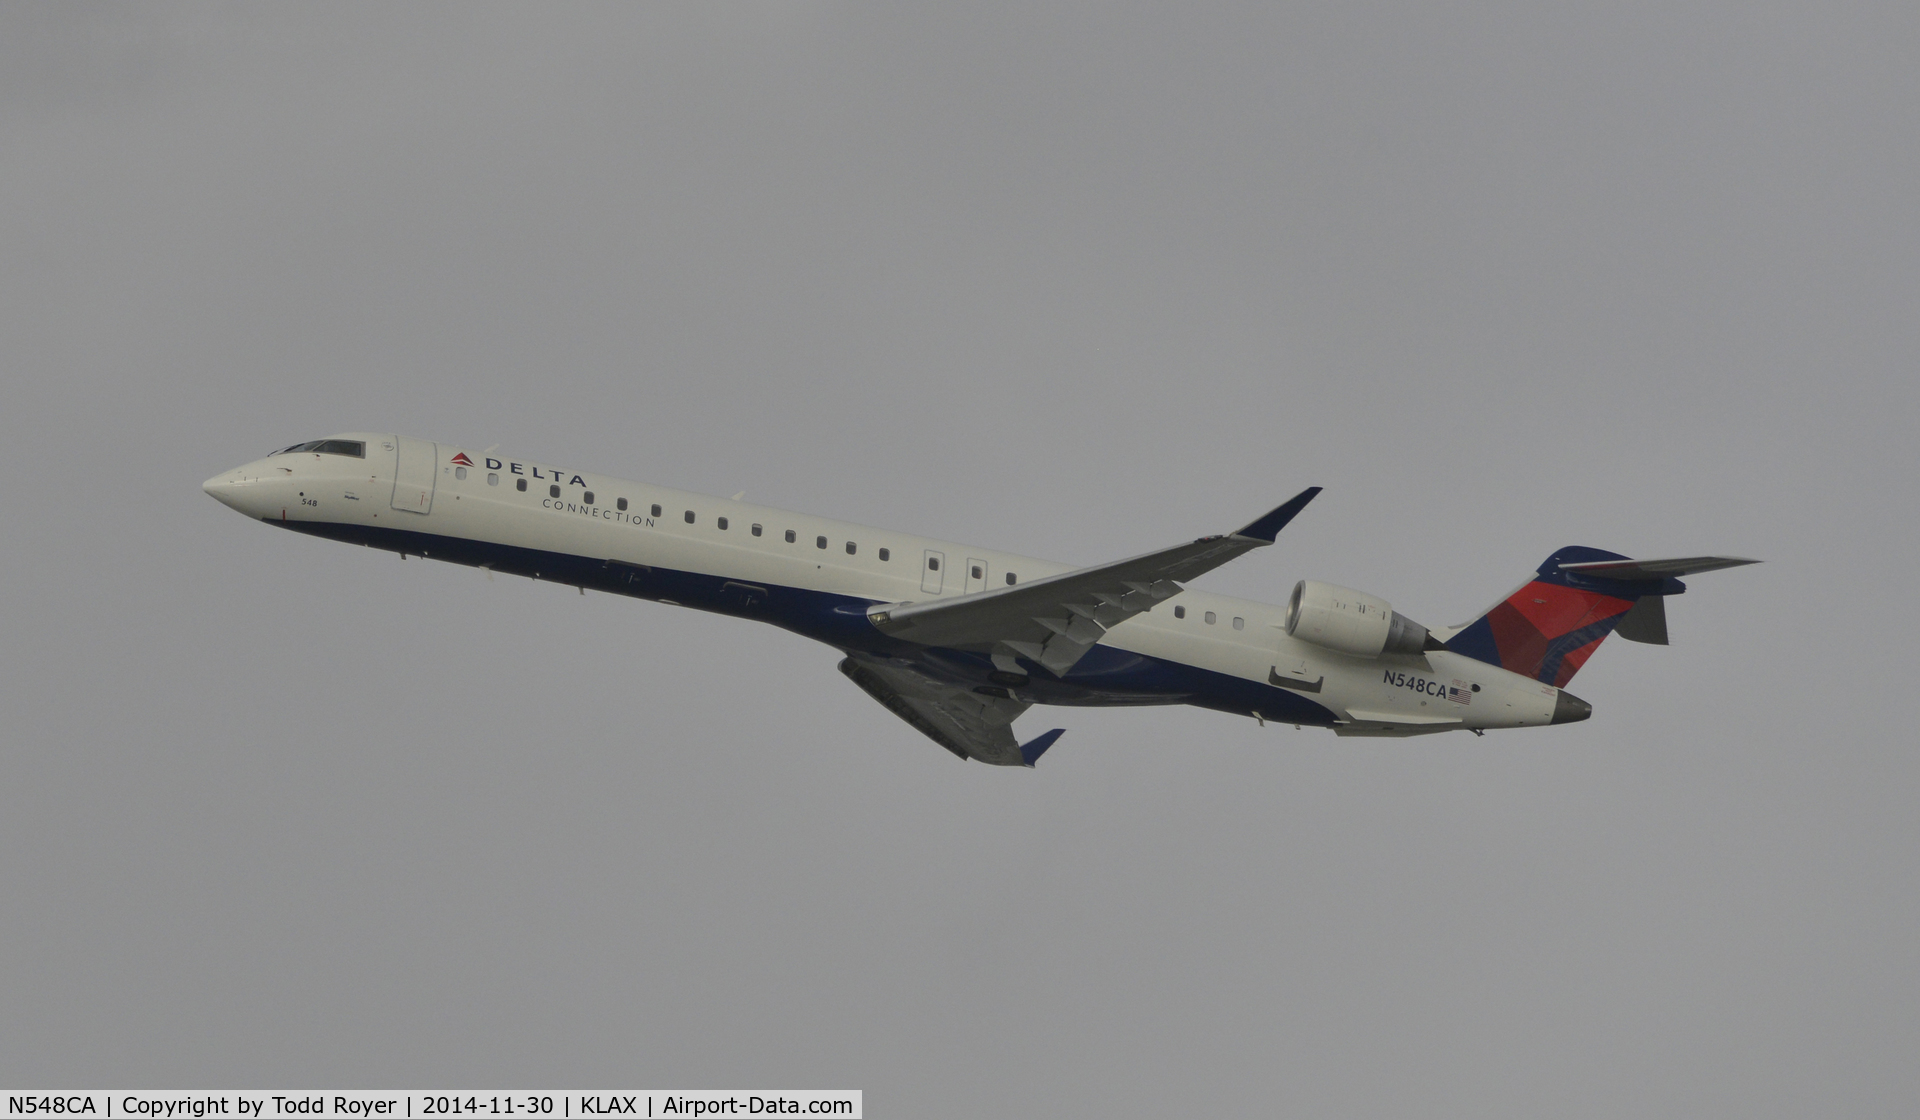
[959, 641]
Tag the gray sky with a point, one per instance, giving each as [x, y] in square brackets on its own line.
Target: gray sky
[1074, 281]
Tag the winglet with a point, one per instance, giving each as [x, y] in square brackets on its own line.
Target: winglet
[1269, 527]
[1033, 750]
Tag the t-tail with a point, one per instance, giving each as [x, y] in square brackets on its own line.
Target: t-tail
[1550, 626]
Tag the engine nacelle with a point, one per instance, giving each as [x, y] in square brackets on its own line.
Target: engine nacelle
[1349, 621]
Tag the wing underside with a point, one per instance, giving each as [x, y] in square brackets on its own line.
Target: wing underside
[1049, 622]
[970, 724]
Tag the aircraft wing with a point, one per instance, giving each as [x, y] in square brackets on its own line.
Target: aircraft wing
[1054, 621]
[969, 724]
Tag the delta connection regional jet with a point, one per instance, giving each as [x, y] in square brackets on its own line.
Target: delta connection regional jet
[958, 640]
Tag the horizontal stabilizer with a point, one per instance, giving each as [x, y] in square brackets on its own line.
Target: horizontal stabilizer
[1654, 569]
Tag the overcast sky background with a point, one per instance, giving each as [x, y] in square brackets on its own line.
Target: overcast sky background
[1073, 281]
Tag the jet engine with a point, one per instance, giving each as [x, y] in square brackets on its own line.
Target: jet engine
[1354, 622]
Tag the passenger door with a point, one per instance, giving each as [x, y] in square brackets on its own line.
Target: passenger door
[976, 575]
[415, 466]
[930, 573]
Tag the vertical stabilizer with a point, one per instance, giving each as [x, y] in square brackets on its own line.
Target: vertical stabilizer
[1548, 628]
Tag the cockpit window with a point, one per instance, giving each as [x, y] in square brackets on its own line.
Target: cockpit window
[351, 447]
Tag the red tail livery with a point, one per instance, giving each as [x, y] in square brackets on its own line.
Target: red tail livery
[1550, 626]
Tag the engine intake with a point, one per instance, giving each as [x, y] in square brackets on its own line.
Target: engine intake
[1340, 618]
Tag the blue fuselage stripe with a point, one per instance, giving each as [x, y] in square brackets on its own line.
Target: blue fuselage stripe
[1105, 676]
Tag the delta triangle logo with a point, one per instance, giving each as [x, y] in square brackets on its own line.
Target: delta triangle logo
[460, 459]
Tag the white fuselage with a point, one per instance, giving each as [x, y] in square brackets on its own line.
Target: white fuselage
[611, 534]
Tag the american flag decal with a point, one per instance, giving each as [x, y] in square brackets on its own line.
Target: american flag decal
[1460, 692]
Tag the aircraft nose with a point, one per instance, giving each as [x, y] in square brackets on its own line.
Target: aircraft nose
[1568, 708]
[224, 488]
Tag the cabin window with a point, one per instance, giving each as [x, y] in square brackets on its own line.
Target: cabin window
[849, 548]
[790, 536]
[819, 542]
[620, 504]
[1012, 579]
[756, 530]
[722, 523]
[553, 491]
[587, 497]
[1239, 624]
[689, 517]
[520, 484]
[1179, 612]
[979, 572]
[493, 480]
[460, 473]
[885, 556]
[656, 510]
[933, 563]
[1210, 618]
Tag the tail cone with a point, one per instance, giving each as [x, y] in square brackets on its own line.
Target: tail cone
[1568, 708]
